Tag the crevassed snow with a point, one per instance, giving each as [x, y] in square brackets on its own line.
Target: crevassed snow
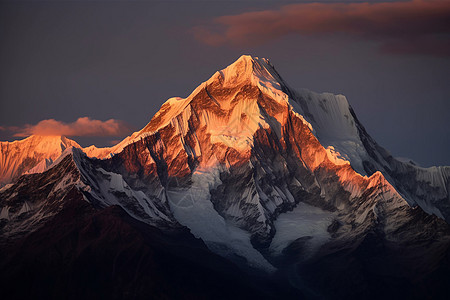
[303, 221]
[192, 208]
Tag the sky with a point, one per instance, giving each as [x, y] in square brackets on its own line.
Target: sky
[97, 71]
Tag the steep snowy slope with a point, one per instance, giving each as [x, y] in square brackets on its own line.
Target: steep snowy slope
[338, 129]
[20, 156]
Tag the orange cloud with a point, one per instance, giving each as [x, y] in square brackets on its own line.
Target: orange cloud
[81, 127]
[420, 26]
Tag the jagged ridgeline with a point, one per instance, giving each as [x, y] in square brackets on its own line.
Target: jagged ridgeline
[279, 192]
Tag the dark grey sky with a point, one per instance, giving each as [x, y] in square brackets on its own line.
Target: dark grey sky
[122, 60]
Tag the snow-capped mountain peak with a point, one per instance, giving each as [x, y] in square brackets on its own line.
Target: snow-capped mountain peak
[220, 122]
[247, 94]
[20, 156]
[248, 70]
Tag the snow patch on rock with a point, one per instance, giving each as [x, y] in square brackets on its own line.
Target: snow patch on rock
[303, 221]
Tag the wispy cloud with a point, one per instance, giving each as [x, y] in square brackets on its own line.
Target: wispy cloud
[84, 126]
[419, 26]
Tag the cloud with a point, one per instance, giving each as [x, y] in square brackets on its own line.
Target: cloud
[84, 126]
[420, 26]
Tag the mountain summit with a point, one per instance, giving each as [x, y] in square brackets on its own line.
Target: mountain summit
[282, 183]
[19, 157]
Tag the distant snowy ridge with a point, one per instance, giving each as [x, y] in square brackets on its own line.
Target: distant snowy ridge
[21, 156]
[36, 154]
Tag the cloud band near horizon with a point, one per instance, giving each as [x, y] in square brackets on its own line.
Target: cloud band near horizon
[413, 27]
[83, 126]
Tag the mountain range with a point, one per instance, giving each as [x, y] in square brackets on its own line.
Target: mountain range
[246, 188]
